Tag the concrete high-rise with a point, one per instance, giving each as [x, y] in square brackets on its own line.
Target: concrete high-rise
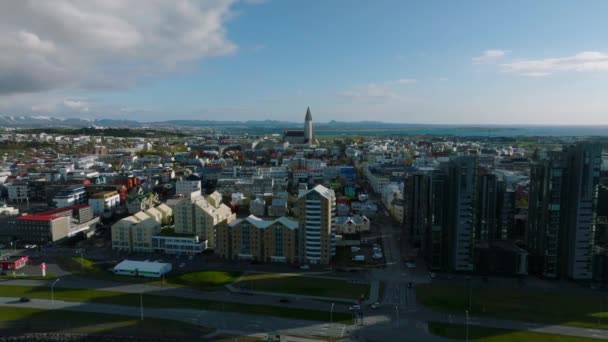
[317, 209]
[308, 134]
[417, 206]
[487, 200]
[562, 213]
[461, 199]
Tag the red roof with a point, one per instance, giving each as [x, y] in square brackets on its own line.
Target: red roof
[64, 209]
[37, 217]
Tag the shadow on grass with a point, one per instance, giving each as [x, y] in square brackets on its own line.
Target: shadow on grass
[576, 309]
[476, 333]
[20, 321]
[291, 283]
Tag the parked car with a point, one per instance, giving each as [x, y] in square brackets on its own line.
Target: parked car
[182, 265]
[432, 275]
[410, 264]
[359, 258]
[377, 256]
[355, 249]
[355, 307]
[304, 267]
[376, 305]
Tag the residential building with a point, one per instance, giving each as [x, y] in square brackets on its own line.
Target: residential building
[18, 191]
[462, 193]
[253, 238]
[416, 208]
[188, 185]
[486, 208]
[104, 202]
[562, 212]
[317, 210]
[72, 195]
[355, 224]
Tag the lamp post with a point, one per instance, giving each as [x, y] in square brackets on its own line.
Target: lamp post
[467, 318]
[141, 303]
[397, 312]
[331, 314]
[53, 292]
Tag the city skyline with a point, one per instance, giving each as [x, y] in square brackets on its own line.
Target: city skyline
[390, 61]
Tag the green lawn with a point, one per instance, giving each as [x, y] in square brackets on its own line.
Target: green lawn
[204, 280]
[201, 280]
[483, 334]
[297, 284]
[156, 301]
[574, 309]
[28, 320]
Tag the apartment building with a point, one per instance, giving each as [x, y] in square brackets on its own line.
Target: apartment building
[253, 238]
[72, 195]
[135, 233]
[317, 210]
[104, 202]
[200, 216]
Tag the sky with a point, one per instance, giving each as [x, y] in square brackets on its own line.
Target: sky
[440, 62]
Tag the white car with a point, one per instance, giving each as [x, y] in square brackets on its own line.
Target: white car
[355, 249]
[304, 267]
[410, 264]
[355, 307]
[376, 305]
[432, 274]
[377, 256]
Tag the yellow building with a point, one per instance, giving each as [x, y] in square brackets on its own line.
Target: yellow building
[201, 216]
[134, 233]
[253, 238]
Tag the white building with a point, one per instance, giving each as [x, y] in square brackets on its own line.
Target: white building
[104, 202]
[142, 268]
[188, 185]
[71, 195]
[18, 192]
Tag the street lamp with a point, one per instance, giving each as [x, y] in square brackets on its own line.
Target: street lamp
[81, 262]
[141, 302]
[470, 290]
[397, 312]
[467, 317]
[331, 314]
[52, 291]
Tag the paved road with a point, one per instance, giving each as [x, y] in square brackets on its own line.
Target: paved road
[73, 282]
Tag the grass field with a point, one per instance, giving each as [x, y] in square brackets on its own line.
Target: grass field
[297, 284]
[200, 280]
[574, 309]
[19, 320]
[483, 334]
[156, 301]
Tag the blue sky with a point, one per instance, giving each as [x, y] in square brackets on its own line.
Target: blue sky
[486, 62]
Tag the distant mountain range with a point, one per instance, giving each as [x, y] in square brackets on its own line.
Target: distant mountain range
[45, 121]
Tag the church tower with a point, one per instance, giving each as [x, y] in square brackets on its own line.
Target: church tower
[308, 127]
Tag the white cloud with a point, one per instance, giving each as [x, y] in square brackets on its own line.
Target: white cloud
[586, 61]
[377, 91]
[48, 45]
[404, 81]
[78, 105]
[489, 56]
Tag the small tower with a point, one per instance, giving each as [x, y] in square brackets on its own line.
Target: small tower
[308, 127]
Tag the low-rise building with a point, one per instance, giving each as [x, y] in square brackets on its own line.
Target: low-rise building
[352, 224]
